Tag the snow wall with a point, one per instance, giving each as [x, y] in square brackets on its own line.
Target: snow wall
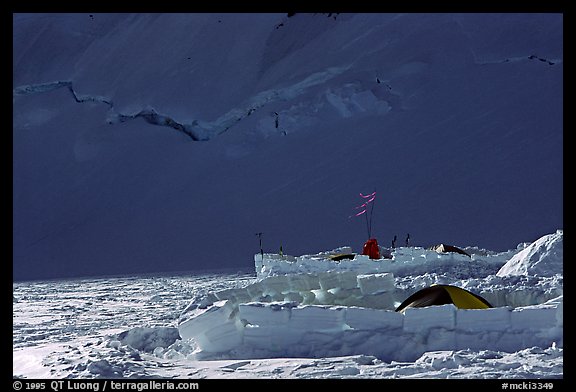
[299, 326]
[314, 306]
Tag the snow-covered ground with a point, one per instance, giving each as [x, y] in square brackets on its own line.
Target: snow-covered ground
[145, 144]
[120, 327]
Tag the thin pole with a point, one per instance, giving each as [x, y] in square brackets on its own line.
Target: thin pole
[371, 213]
[261, 249]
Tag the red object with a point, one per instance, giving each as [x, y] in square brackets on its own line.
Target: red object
[371, 249]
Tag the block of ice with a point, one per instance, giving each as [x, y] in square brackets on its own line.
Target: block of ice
[222, 337]
[418, 319]
[493, 319]
[235, 294]
[371, 319]
[203, 319]
[317, 318]
[258, 337]
[328, 280]
[304, 282]
[347, 280]
[293, 297]
[275, 284]
[264, 314]
[340, 293]
[255, 290]
[308, 297]
[323, 297]
[533, 317]
[374, 283]
[377, 301]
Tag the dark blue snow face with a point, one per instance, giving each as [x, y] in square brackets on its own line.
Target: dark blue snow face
[163, 142]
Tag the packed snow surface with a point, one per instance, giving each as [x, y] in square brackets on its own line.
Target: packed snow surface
[335, 322]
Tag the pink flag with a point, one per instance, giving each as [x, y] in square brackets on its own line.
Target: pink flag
[367, 196]
[370, 198]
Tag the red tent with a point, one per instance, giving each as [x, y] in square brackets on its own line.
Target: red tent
[371, 249]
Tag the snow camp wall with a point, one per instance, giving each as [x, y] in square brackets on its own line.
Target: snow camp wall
[258, 329]
[342, 313]
[313, 305]
[402, 258]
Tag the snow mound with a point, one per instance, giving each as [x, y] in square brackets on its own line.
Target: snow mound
[543, 257]
[148, 339]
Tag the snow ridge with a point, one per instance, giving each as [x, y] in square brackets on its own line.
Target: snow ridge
[150, 115]
[522, 58]
[51, 86]
[196, 130]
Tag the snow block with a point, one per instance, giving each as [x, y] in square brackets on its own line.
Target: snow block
[303, 282]
[440, 339]
[275, 284]
[293, 297]
[370, 319]
[148, 339]
[317, 318]
[202, 303]
[276, 339]
[323, 297]
[364, 259]
[484, 340]
[202, 320]
[418, 319]
[352, 300]
[560, 313]
[258, 337]
[255, 290]
[223, 337]
[377, 301]
[237, 295]
[340, 293]
[374, 283]
[308, 297]
[558, 304]
[285, 336]
[347, 280]
[319, 344]
[329, 280]
[264, 314]
[493, 319]
[533, 318]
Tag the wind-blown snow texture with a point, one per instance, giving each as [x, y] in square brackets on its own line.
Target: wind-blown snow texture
[163, 142]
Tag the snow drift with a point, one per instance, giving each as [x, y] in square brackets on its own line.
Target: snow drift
[312, 306]
[543, 257]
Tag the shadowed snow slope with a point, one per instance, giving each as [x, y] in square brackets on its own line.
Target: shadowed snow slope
[163, 142]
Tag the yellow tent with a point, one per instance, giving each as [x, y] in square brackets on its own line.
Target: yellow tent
[442, 294]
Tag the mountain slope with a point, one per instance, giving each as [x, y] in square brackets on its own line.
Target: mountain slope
[162, 142]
